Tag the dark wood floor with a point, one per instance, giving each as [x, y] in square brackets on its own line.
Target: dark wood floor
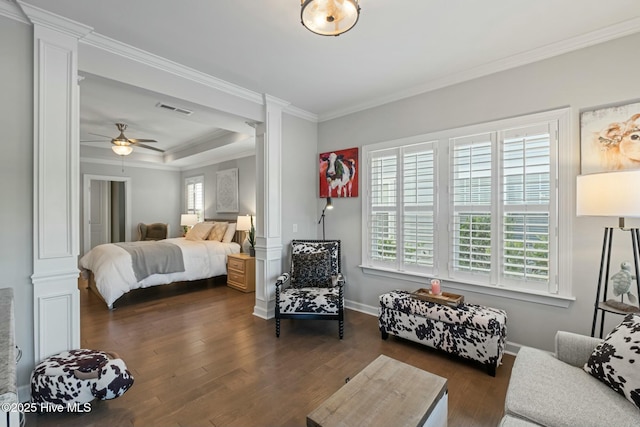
[200, 358]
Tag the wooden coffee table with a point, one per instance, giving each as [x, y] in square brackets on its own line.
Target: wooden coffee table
[386, 393]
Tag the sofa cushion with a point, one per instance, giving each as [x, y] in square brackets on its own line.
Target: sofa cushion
[509, 421]
[549, 392]
[616, 361]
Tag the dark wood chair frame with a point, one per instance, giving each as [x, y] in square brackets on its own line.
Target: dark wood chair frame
[285, 280]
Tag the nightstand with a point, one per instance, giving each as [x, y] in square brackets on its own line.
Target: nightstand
[241, 272]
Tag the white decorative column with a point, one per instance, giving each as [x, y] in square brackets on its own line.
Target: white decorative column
[269, 206]
[56, 225]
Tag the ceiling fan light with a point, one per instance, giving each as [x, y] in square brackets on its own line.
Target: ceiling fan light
[122, 150]
[329, 17]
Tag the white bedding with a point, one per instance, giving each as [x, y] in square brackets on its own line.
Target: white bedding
[113, 272]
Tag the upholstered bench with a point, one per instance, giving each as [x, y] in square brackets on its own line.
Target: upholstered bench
[79, 376]
[470, 331]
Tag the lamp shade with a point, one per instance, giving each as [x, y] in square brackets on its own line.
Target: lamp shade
[329, 17]
[612, 194]
[188, 220]
[244, 223]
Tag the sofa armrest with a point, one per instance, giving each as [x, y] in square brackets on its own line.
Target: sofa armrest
[575, 349]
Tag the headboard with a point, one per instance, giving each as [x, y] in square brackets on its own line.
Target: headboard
[238, 237]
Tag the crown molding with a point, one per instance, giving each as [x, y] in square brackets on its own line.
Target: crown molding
[11, 10]
[53, 21]
[127, 163]
[133, 53]
[221, 159]
[28, 14]
[602, 35]
[300, 113]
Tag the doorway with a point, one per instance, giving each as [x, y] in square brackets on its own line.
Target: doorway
[106, 212]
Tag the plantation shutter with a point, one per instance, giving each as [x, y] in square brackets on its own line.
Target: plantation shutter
[418, 197]
[471, 187]
[527, 203]
[195, 196]
[383, 169]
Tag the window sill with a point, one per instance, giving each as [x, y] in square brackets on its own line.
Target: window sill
[521, 295]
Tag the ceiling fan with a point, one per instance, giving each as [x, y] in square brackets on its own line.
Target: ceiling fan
[122, 145]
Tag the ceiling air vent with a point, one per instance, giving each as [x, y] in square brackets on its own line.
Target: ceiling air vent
[175, 109]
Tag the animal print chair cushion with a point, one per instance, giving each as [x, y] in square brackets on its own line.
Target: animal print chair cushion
[79, 376]
[306, 247]
[309, 300]
[311, 270]
[616, 361]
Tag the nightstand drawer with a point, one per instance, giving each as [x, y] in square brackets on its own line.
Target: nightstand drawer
[236, 264]
[235, 277]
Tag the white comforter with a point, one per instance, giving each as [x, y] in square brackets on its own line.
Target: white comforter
[113, 271]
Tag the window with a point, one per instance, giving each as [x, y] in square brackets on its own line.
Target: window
[402, 207]
[194, 191]
[476, 205]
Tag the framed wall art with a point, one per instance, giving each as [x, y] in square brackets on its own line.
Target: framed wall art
[227, 190]
[339, 173]
[610, 138]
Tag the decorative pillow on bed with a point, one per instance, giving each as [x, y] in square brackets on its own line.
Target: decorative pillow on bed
[616, 361]
[200, 231]
[311, 270]
[230, 233]
[218, 230]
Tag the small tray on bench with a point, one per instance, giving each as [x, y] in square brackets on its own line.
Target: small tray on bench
[446, 298]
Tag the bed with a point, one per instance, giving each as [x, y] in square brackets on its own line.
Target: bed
[113, 269]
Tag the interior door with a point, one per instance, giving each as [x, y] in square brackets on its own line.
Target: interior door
[100, 212]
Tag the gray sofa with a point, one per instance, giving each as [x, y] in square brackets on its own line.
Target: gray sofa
[553, 390]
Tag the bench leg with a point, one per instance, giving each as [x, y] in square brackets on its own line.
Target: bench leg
[384, 334]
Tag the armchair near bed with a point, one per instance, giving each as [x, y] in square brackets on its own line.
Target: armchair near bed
[155, 231]
[314, 288]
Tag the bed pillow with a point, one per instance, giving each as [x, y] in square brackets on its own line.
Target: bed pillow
[230, 233]
[616, 361]
[218, 230]
[200, 231]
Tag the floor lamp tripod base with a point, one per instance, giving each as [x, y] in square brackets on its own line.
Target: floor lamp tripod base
[603, 277]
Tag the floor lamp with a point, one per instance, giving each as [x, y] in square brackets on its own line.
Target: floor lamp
[329, 205]
[611, 194]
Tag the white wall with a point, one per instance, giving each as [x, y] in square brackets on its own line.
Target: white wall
[299, 182]
[16, 180]
[155, 194]
[246, 187]
[584, 79]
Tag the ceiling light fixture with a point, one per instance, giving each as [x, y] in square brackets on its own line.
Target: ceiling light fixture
[329, 17]
[122, 150]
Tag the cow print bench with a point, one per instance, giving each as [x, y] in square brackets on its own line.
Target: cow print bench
[470, 331]
[79, 376]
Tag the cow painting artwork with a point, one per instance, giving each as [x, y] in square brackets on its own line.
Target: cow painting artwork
[610, 138]
[339, 173]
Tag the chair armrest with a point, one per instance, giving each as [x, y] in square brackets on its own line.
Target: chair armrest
[337, 280]
[575, 349]
[282, 280]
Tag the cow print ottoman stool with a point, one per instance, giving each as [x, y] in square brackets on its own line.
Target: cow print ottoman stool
[471, 331]
[79, 376]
